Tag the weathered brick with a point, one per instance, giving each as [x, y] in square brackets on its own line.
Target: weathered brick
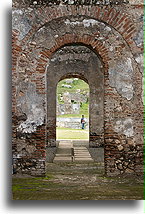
[109, 35]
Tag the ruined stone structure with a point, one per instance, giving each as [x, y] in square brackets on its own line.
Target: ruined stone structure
[69, 107]
[98, 41]
[71, 103]
[73, 123]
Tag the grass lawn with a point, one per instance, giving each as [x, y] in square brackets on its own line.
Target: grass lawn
[77, 84]
[66, 133]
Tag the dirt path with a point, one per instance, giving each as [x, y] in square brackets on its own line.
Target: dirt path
[75, 181]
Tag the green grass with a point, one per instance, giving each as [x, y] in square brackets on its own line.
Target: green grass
[76, 187]
[77, 84]
[66, 133]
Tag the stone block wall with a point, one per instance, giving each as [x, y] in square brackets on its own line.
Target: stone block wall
[73, 123]
[104, 41]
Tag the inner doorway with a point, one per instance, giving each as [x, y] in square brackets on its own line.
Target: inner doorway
[72, 110]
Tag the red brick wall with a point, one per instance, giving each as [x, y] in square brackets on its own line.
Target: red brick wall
[121, 20]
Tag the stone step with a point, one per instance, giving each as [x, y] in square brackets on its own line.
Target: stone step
[80, 148]
[65, 144]
[62, 159]
[80, 151]
[83, 148]
[65, 147]
[82, 156]
[83, 160]
[64, 151]
[63, 155]
[84, 152]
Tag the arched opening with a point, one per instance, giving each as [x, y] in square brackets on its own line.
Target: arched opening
[79, 62]
[72, 110]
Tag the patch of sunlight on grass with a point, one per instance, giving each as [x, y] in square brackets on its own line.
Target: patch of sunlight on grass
[65, 133]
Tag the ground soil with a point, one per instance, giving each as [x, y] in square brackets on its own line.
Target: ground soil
[77, 181]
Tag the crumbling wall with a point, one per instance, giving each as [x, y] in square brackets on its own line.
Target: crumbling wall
[113, 32]
[71, 101]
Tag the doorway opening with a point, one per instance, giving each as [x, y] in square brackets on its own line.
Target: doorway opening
[72, 102]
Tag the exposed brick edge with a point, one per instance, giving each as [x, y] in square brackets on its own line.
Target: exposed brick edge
[112, 17]
[70, 39]
[16, 50]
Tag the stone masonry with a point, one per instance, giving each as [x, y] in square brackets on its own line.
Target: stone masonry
[73, 123]
[100, 42]
[71, 102]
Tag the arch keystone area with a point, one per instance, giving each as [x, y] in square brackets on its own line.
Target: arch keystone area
[74, 39]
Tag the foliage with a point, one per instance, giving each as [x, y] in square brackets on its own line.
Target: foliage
[76, 85]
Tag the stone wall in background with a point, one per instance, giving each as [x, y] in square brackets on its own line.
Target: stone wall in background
[101, 43]
[73, 123]
[71, 101]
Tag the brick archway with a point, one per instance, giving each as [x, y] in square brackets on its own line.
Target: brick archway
[87, 40]
[118, 106]
[93, 74]
[114, 18]
[101, 51]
